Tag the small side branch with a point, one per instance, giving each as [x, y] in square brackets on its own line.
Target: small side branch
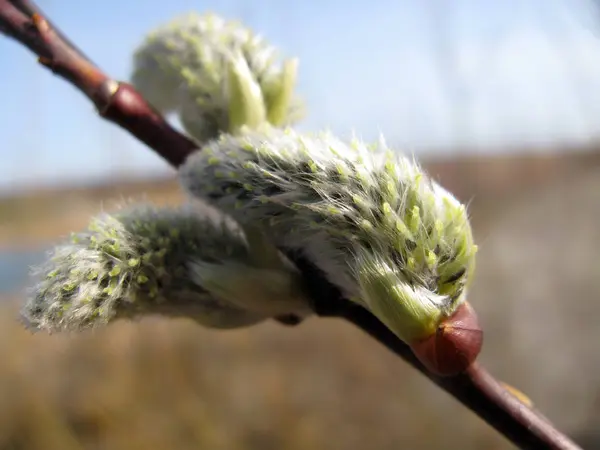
[121, 104]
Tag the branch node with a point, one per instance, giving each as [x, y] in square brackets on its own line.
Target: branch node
[40, 23]
[104, 97]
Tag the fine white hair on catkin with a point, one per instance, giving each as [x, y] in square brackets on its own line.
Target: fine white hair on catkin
[350, 207]
[380, 229]
[143, 260]
[184, 67]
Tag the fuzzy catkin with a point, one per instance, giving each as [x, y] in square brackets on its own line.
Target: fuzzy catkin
[369, 217]
[184, 67]
[173, 262]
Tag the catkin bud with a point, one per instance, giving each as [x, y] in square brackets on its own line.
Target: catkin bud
[173, 262]
[387, 235]
[217, 75]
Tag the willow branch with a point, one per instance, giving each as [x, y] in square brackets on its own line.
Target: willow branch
[121, 104]
[476, 388]
[115, 101]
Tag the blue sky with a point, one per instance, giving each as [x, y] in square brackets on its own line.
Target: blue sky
[429, 74]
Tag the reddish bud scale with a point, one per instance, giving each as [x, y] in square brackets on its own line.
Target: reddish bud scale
[455, 344]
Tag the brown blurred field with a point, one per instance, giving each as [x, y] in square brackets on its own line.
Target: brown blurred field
[162, 384]
[171, 385]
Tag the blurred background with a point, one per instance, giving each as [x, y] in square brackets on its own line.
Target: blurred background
[500, 100]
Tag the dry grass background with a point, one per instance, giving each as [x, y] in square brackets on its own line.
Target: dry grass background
[172, 385]
[163, 384]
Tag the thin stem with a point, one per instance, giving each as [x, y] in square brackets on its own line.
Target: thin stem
[479, 391]
[123, 105]
[115, 101]
[476, 388]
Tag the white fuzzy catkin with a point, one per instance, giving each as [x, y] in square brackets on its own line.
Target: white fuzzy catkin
[186, 67]
[173, 262]
[381, 230]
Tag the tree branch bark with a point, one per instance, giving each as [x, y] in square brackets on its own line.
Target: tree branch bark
[115, 101]
[121, 104]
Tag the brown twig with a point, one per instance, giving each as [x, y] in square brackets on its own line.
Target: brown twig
[123, 105]
[115, 101]
[476, 388]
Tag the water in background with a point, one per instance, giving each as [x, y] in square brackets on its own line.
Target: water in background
[14, 268]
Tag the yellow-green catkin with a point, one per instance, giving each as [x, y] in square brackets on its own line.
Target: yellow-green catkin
[216, 75]
[174, 262]
[380, 229]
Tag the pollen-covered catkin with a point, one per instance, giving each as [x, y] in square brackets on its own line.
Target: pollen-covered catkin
[174, 262]
[187, 65]
[369, 217]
